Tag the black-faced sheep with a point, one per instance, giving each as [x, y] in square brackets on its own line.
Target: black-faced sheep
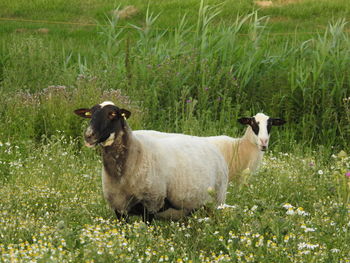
[167, 178]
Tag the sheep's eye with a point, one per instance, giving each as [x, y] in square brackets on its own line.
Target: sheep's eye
[255, 127]
[111, 115]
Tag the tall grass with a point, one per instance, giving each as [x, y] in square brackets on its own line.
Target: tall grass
[195, 79]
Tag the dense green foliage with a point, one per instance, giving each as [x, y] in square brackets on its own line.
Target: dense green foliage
[191, 67]
[197, 77]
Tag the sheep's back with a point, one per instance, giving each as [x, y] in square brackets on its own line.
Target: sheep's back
[191, 166]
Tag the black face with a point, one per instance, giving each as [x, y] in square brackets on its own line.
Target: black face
[251, 122]
[255, 125]
[269, 125]
[104, 121]
[276, 122]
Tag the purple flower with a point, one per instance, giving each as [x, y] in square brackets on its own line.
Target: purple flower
[188, 101]
[311, 164]
[347, 174]
[206, 88]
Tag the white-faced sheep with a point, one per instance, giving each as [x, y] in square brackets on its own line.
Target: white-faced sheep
[239, 153]
[167, 178]
[247, 151]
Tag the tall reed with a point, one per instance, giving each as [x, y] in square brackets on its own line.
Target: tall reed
[196, 78]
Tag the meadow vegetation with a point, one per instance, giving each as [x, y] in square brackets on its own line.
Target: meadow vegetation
[191, 67]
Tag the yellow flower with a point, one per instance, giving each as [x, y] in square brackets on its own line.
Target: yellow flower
[342, 154]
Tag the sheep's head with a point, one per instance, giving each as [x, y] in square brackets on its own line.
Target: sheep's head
[261, 127]
[107, 120]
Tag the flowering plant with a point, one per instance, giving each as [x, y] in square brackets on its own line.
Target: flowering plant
[342, 176]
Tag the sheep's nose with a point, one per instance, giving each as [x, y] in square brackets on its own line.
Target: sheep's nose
[264, 142]
[89, 133]
[89, 136]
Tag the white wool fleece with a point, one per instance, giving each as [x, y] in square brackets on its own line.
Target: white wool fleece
[181, 169]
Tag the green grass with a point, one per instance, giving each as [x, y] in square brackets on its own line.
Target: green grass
[194, 74]
[52, 210]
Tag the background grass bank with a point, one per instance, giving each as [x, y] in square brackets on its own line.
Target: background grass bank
[196, 75]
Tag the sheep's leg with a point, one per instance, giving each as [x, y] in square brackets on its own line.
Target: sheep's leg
[140, 209]
[166, 205]
[120, 216]
[147, 217]
[172, 214]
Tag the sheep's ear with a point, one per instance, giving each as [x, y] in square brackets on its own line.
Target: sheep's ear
[125, 113]
[277, 122]
[85, 113]
[245, 120]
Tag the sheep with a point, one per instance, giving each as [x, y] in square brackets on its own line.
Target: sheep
[239, 153]
[246, 152]
[143, 175]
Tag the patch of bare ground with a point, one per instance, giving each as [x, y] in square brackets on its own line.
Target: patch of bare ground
[127, 12]
[26, 30]
[21, 30]
[287, 2]
[43, 30]
[279, 3]
[263, 4]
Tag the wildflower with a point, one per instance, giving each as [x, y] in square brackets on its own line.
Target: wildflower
[347, 174]
[308, 229]
[320, 172]
[288, 206]
[342, 154]
[286, 238]
[300, 211]
[223, 206]
[311, 164]
[303, 245]
[271, 244]
[188, 101]
[335, 250]
[260, 242]
[290, 211]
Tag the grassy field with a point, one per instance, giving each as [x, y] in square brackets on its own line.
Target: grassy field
[191, 67]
